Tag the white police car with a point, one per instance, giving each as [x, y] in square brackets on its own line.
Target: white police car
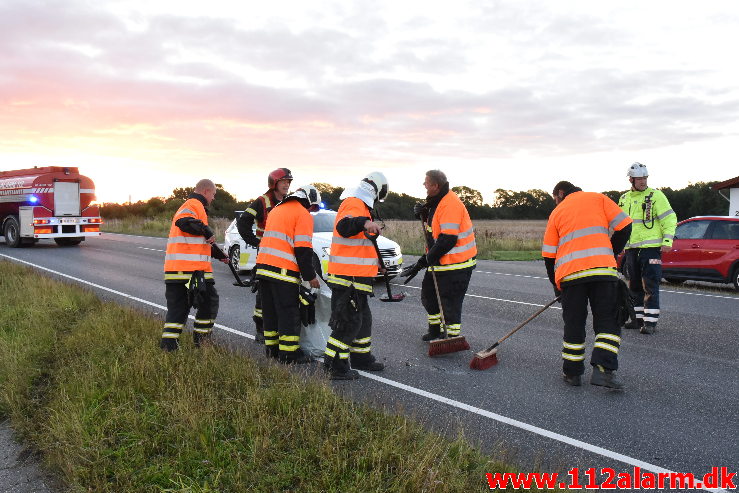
[243, 256]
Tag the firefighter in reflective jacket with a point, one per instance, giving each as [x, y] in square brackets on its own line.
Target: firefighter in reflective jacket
[188, 274]
[580, 261]
[279, 182]
[451, 253]
[352, 266]
[652, 234]
[286, 255]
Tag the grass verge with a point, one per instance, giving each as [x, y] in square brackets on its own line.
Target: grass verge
[84, 382]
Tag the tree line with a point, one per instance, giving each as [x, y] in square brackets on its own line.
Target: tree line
[697, 199]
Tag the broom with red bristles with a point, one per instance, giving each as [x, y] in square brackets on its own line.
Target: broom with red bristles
[485, 359]
[445, 344]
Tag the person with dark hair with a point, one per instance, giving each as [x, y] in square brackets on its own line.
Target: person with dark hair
[579, 254]
[450, 251]
[278, 182]
[188, 274]
[654, 230]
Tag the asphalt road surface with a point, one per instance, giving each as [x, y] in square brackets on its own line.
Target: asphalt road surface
[679, 411]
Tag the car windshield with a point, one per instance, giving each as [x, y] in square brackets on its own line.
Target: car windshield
[323, 222]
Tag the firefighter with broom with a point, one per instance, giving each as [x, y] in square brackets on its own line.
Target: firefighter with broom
[450, 259]
[285, 256]
[278, 182]
[188, 273]
[352, 266]
[580, 260]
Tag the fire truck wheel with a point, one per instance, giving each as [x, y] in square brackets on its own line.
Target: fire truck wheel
[68, 241]
[12, 232]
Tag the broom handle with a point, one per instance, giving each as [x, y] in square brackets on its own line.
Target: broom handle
[436, 287]
[532, 317]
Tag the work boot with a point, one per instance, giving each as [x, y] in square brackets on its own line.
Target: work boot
[169, 344]
[339, 370]
[365, 362]
[573, 380]
[431, 335]
[297, 357]
[271, 351]
[259, 339]
[648, 329]
[633, 324]
[201, 340]
[605, 378]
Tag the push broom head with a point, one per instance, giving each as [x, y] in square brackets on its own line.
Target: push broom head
[448, 345]
[484, 359]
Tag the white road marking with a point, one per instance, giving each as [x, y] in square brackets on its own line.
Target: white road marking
[625, 459]
[491, 298]
[152, 249]
[506, 274]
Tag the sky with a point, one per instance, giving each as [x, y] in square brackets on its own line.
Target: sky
[148, 96]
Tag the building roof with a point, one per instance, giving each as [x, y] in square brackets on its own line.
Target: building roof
[732, 183]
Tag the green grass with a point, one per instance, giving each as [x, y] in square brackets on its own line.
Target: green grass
[84, 382]
[157, 226]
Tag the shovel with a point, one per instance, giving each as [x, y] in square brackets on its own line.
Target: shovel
[220, 255]
[390, 297]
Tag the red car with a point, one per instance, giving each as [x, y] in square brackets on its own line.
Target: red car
[706, 248]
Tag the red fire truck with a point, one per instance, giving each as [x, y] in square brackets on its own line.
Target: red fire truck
[49, 202]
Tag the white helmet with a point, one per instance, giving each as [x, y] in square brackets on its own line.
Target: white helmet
[379, 183]
[637, 170]
[309, 193]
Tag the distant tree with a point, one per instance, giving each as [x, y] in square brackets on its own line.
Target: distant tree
[329, 195]
[613, 195]
[469, 196]
[180, 193]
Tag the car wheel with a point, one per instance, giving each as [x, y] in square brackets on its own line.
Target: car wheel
[234, 255]
[735, 277]
[12, 232]
[672, 280]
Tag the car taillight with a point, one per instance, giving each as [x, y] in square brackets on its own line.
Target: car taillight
[91, 229]
[41, 221]
[95, 220]
[42, 230]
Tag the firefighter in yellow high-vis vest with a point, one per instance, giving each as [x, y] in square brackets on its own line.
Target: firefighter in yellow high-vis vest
[188, 274]
[652, 234]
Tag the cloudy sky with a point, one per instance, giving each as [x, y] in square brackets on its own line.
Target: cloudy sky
[146, 96]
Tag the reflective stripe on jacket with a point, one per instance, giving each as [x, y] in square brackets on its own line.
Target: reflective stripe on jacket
[451, 218]
[187, 252]
[354, 256]
[578, 237]
[653, 226]
[289, 226]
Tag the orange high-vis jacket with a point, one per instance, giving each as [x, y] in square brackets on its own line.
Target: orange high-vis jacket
[353, 256]
[289, 225]
[451, 218]
[578, 235]
[187, 252]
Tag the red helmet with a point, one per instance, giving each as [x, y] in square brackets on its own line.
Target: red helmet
[277, 175]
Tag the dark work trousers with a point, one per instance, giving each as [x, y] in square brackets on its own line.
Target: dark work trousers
[602, 296]
[257, 313]
[352, 337]
[452, 288]
[178, 308]
[644, 266]
[281, 316]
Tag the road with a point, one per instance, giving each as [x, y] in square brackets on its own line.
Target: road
[679, 412]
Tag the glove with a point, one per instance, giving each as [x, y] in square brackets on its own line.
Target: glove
[557, 293]
[420, 211]
[307, 306]
[411, 271]
[253, 281]
[197, 291]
